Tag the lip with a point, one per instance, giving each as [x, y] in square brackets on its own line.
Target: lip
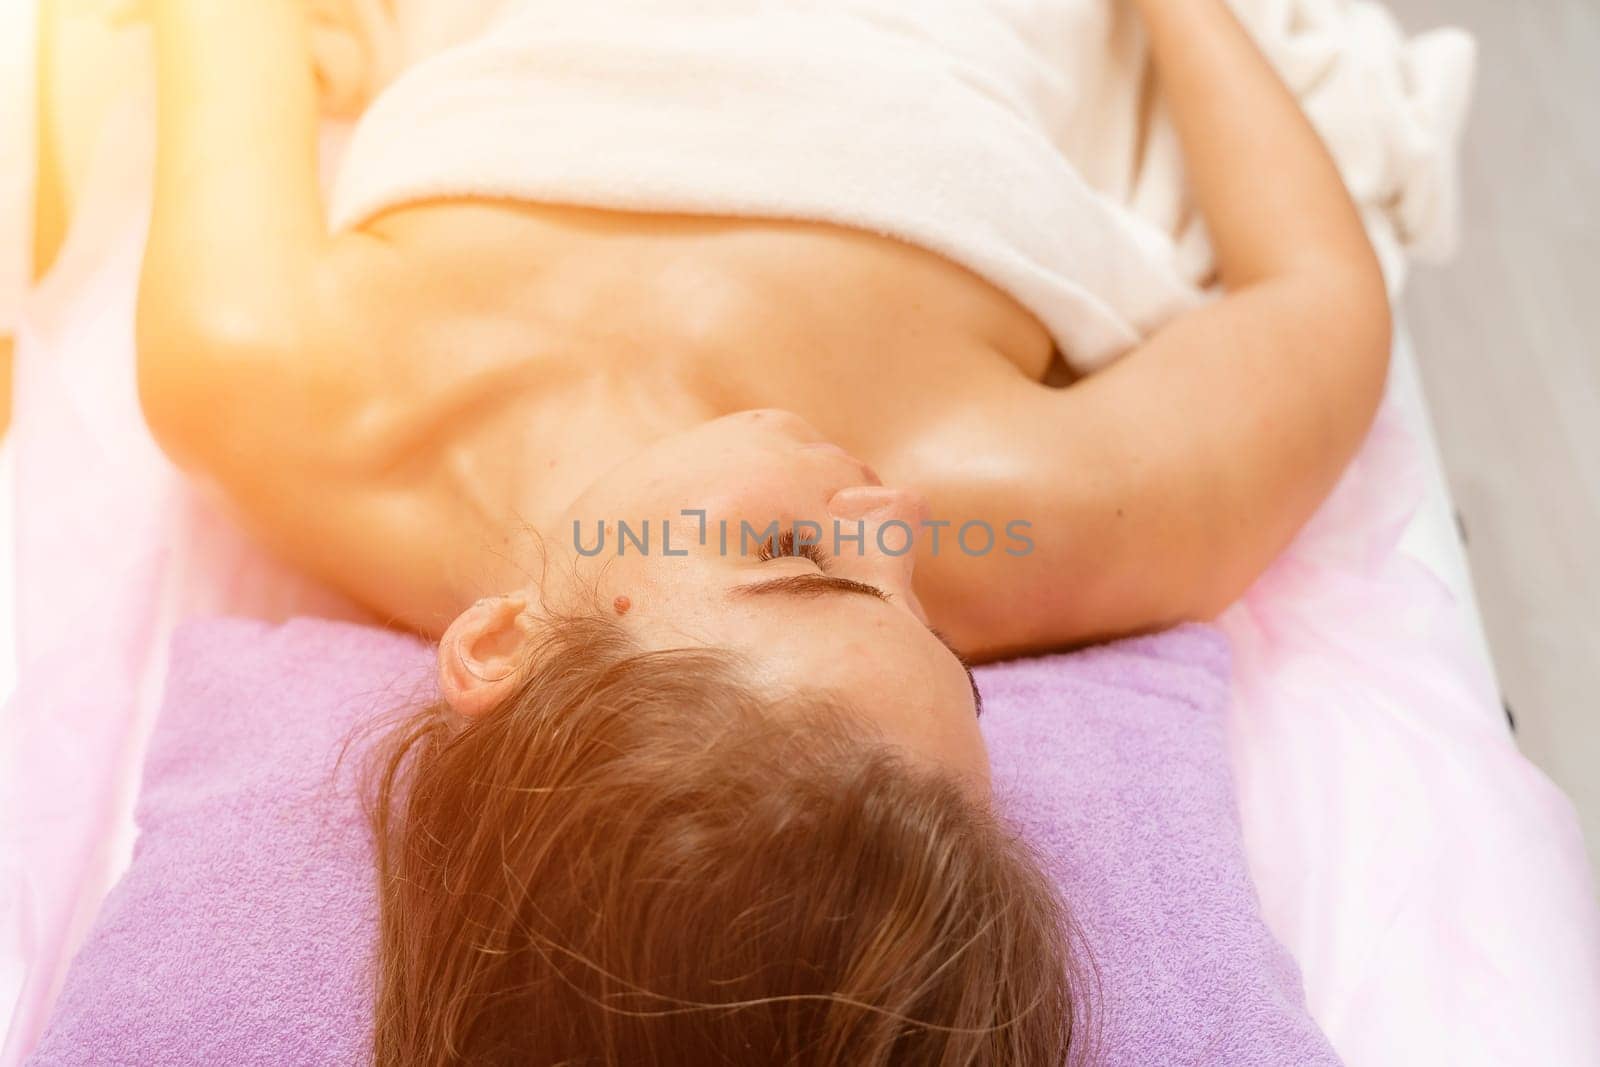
[869, 475]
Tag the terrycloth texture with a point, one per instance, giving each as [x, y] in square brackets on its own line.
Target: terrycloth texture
[1113, 762]
[242, 933]
[1009, 137]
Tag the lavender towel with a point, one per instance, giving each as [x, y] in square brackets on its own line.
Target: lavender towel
[1112, 761]
[242, 932]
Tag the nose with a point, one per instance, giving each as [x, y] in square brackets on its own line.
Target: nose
[879, 504]
[829, 449]
[885, 528]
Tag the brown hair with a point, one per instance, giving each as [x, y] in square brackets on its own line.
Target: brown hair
[638, 861]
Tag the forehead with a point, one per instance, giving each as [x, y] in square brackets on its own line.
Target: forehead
[872, 657]
[849, 642]
[880, 663]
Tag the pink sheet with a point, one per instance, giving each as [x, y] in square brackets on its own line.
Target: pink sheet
[113, 548]
[1430, 882]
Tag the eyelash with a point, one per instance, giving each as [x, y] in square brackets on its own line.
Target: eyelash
[784, 545]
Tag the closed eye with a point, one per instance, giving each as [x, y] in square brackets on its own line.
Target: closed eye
[786, 544]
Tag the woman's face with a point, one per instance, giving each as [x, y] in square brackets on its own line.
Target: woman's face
[825, 604]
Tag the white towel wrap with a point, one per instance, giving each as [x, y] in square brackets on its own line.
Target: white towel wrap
[1017, 139]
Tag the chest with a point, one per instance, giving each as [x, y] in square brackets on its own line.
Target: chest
[539, 346]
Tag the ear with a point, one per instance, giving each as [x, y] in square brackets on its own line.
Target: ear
[480, 653]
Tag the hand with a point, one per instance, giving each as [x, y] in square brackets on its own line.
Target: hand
[351, 42]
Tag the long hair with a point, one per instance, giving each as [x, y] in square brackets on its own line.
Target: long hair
[637, 860]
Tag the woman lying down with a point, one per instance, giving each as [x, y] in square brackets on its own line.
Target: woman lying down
[706, 506]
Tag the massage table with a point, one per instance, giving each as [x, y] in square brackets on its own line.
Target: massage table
[1483, 948]
[8, 633]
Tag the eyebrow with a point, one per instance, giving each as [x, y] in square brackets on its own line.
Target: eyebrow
[810, 585]
[814, 585]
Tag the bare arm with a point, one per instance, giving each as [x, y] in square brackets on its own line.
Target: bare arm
[1182, 470]
[248, 324]
[261, 363]
[1234, 421]
[237, 223]
[1269, 191]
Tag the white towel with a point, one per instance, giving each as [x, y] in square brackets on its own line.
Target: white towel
[1018, 139]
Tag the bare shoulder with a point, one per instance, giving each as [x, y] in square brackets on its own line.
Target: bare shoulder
[281, 367]
[1032, 509]
[311, 429]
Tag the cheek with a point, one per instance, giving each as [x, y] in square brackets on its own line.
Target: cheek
[976, 748]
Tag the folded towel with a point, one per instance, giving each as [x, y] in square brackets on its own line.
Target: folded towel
[1113, 763]
[1018, 140]
[243, 932]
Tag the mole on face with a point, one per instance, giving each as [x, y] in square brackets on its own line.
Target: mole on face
[621, 605]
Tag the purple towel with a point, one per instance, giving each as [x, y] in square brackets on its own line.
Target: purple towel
[243, 931]
[1112, 761]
